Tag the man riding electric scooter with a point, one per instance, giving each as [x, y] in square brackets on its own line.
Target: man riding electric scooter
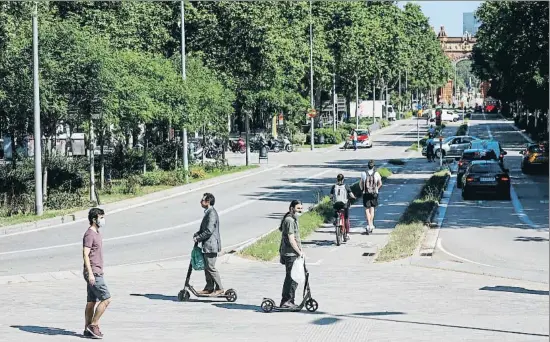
[340, 195]
[290, 249]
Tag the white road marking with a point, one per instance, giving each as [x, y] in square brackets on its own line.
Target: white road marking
[518, 208]
[440, 247]
[228, 248]
[445, 201]
[374, 133]
[147, 202]
[517, 129]
[220, 213]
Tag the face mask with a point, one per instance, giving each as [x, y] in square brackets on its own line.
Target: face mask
[101, 222]
[298, 213]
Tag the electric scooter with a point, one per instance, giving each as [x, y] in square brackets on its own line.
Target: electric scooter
[184, 295]
[311, 304]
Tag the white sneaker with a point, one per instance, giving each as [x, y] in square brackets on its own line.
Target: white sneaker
[372, 228]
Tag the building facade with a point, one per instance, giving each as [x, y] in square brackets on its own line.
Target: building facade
[470, 23]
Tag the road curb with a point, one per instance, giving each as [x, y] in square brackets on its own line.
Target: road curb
[130, 203]
[429, 240]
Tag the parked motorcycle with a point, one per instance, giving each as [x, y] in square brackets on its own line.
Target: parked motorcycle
[273, 145]
[287, 146]
[238, 146]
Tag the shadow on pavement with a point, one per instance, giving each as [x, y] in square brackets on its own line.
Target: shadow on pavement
[319, 243]
[326, 321]
[46, 330]
[236, 306]
[514, 289]
[380, 313]
[364, 316]
[156, 296]
[531, 238]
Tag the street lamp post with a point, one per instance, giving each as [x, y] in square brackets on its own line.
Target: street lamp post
[184, 76]
[311, 73]
[374, 100]
[356, 101]
[334, 102]
[39, 208]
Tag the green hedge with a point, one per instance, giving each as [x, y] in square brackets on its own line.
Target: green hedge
[406, 235]
[66, 180]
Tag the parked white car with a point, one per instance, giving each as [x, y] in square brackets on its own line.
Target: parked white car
[446, 115]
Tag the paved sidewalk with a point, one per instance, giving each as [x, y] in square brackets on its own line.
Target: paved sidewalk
[358, 301]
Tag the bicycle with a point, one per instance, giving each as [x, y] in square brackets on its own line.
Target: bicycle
[341, 227]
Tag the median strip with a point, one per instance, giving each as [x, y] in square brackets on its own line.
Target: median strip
[408, 232]
[267, 247]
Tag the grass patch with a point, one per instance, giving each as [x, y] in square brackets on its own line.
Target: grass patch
[116, 194]
[396, 162]
[409, 230]
[267, 248]
[413, 147]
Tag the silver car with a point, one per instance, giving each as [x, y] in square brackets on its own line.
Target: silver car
[452, 147]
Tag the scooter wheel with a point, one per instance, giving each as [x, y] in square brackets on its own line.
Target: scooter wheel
[231, 295]
[311, 305]
[267, 305]
[184, 295]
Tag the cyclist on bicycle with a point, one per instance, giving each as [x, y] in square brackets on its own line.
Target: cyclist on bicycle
[340, 195]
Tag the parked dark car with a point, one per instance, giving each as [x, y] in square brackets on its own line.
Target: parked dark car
[467, 157]
[486, 177]
[535, 157]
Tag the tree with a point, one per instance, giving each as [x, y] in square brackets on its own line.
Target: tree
[512, 51]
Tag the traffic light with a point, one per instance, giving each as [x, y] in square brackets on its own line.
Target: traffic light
[438, 117]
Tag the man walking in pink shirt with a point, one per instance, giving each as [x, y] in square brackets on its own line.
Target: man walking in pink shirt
[92, 250]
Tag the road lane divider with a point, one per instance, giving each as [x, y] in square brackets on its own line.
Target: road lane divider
[115, 211]
[518, 208]
[156, 231]
[440, 247]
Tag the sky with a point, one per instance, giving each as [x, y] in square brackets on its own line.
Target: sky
[446, 13]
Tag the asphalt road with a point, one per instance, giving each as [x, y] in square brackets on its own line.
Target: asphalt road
[163, 230]
[510, 235]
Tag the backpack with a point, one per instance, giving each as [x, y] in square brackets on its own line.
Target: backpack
[340, 193]
[369, 186]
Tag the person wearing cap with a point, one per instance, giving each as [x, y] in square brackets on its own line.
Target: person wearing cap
[370, 184]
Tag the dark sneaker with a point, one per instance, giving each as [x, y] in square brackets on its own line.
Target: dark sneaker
[86, 333]
[204, 292]
[94, 331]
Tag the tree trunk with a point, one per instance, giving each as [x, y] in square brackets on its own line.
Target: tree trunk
[13, 154]
[348, 107]
[145, 150]
[45, 170]
[203, 145]
[101, 165]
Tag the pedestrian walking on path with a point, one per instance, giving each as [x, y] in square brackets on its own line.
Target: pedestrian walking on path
[289, 250]
[370, 184]
[354, 139]
[93, 274]
[209, 236]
